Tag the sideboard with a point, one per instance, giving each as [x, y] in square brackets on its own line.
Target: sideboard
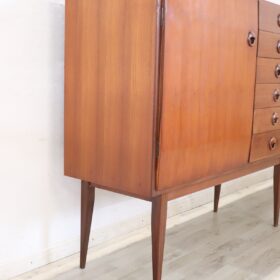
[164, 98]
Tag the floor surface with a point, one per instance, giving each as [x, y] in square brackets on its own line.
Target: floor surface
[237, 243]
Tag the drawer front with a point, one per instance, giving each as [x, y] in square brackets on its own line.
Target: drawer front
[269, 17]
[266, 120]
[267, 95]
[265, 145]
[268, 71]
[269, 45]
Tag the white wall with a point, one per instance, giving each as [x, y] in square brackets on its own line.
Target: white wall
[39, 207]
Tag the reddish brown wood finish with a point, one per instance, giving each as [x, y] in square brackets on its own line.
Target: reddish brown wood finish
[110, 83]
[265, 119]
[202, 118]
[265, 96]
[208, 89]
[261, 147]
[87, 204]
[204, 183]
[269, 45]
[276, 194]
[269, 13]
[266, 71]
[265, 141]
[217, 193]
[159, 216]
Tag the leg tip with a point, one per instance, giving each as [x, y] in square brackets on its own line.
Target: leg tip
[275, 222]
[82, 265]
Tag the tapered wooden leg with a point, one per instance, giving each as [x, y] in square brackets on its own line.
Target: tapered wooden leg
[276, 187]
[159, 216]
[87, 204]
[217, 197]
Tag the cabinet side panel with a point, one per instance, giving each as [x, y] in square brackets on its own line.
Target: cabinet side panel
[110, 64]
[208, 89]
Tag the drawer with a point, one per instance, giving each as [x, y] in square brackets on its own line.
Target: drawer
[268, 71]
[267, 95]
[266, 119]
[269, 45]
[269, 16]
[265, 145]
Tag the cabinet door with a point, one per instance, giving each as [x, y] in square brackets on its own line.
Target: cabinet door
[208, 81]
[110, 62]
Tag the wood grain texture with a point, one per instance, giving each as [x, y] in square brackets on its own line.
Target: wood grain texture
[87, 205]
[110, 76]
[159, 217]
[263, 119]
[207, 83]
[266, 71]
[208, 89]
[260, 145]
[268, 45]
[223, 177]
[268, 20]
[276, 191]
[264, 96]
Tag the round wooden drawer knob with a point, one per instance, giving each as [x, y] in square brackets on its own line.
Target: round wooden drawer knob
[252, 39]
[275, 118]
[276, 95]
[278, 46]
[273, 143]
[277, 71]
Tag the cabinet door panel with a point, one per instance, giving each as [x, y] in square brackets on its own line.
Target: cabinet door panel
[110, 62]
[208, 89]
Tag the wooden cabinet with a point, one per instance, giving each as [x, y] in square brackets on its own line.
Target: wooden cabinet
[167, 97]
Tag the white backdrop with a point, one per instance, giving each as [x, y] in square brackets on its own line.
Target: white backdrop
[39, 207]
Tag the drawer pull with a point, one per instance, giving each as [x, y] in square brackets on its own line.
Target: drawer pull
[276, 95]
[275, 118]
[273, 143]
[278, 20]
[277, 71]
[252, 38]
[278, 46]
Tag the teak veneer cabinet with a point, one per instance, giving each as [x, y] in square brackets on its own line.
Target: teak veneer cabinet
[166, 98]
